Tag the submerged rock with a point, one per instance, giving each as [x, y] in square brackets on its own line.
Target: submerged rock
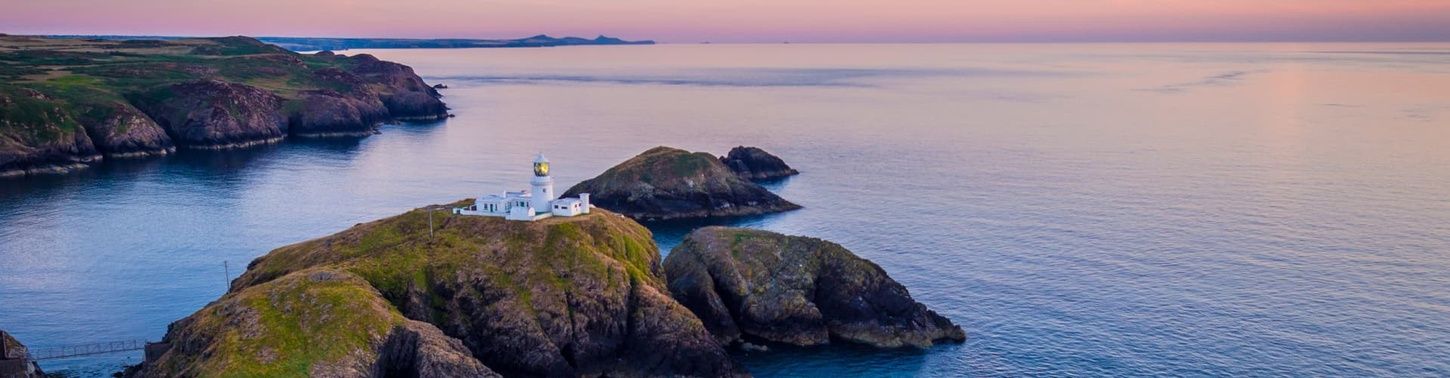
[797, 290]
[755, 164]
[578, 296]
[670, 183]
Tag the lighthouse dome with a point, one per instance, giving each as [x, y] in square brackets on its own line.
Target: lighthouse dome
[541, 165]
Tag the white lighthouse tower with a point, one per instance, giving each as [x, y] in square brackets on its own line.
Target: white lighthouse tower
[542, 191]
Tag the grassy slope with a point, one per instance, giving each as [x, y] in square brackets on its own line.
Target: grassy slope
[269, 329]
[298, 318]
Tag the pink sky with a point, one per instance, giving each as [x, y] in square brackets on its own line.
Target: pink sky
[751, 20]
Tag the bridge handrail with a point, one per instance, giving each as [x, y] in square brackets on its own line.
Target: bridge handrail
[66, 351]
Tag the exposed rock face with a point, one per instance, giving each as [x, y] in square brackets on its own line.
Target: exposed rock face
[213, 114]
[14, 361]
[579, 296]
[669, 183]
[746, 283]
[126, 132]
[418, 349]
[329, 113]
[43, 137]
[756, 164]
[402, 91]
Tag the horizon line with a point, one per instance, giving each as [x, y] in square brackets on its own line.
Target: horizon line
[903, 42]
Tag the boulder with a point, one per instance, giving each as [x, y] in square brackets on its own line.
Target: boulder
[758, 285]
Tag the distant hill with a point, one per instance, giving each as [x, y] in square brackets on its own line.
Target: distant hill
[316, 44]
[319, 44]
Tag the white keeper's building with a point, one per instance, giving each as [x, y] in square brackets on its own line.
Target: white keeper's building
[537, 203]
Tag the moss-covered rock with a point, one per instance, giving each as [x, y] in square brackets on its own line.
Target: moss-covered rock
[318, 322]
[745, 283]
[670, 183]
[578, 296]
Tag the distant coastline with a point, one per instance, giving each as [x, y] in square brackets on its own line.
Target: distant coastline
[338, 44]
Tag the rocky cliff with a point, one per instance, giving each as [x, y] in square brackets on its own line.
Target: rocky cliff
[579, 296]
[40, 135]
[68, 103]
[14, 360]
[753, 163]
[758, 285]
[670, 183]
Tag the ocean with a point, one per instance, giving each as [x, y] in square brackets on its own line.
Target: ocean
[1079, 209]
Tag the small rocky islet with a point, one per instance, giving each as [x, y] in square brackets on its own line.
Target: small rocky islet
[665, 183]
[70, 103]
[753, 163]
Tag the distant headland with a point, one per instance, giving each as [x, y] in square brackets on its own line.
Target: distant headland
[335, 44]
[70, 103]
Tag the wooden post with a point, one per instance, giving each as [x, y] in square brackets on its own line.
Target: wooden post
[227, 275]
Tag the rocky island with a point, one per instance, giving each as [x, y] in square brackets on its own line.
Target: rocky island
[758, 285]
[67, 103]
[669, 183]
[754, 163]
[470, 296]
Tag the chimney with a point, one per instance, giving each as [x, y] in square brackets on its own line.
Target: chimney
[584, 197]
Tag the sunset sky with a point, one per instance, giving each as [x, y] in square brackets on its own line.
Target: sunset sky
[751, 20]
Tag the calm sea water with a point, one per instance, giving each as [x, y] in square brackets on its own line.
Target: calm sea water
[1088, 210]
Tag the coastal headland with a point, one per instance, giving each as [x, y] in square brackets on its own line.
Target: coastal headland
[69, 103]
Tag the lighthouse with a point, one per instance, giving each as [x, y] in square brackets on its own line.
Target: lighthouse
[542, 191]
[535, 204]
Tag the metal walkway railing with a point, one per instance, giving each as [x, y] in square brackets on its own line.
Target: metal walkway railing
[50, 353]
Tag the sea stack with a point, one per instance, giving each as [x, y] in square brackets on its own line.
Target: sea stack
[796, 290]
[754, 163]
[669, 183]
